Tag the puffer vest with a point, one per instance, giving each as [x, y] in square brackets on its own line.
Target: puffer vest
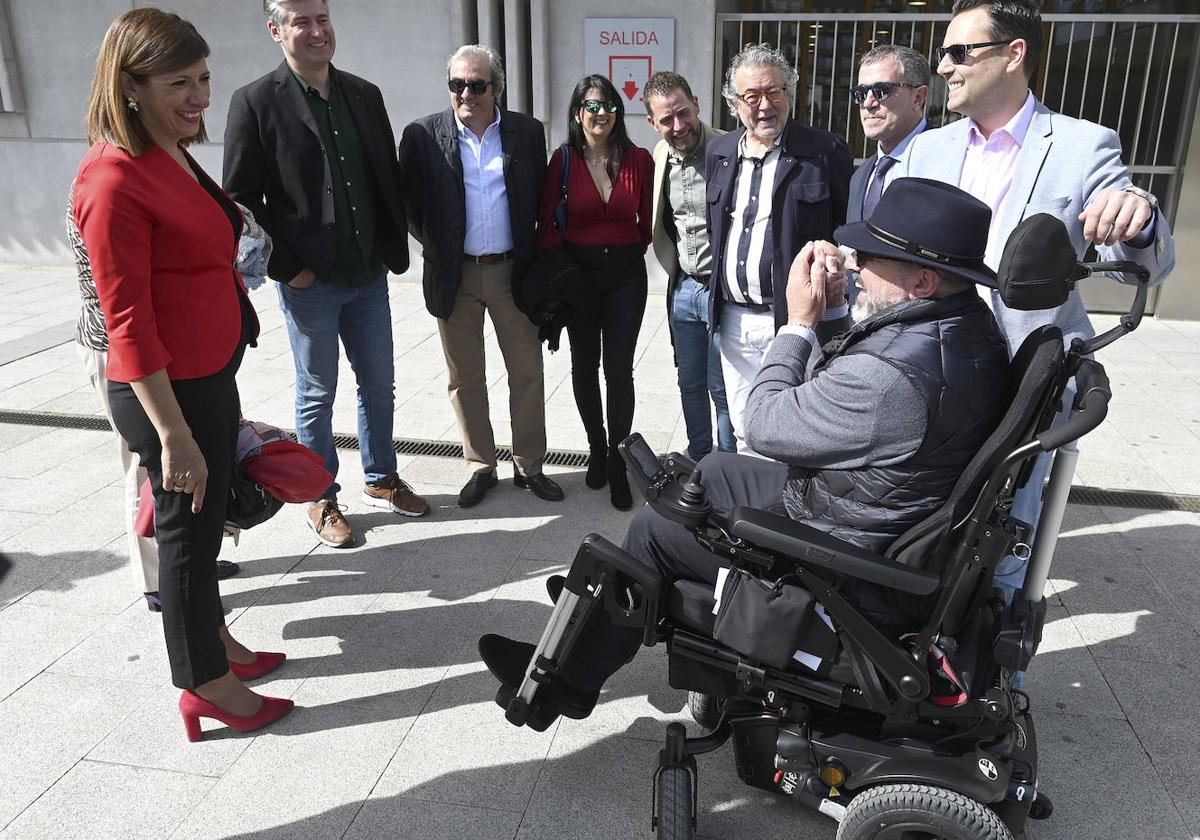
[952, 351]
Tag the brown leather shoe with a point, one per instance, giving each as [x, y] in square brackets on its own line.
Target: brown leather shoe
[328, 524]
[395, 494]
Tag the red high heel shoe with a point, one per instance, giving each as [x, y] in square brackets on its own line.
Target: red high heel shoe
[193, 707]
[263, 664]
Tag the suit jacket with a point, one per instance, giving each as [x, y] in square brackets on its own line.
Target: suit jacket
[1061, 167]
[162, 255]
[862, 177]
[809, 198]
[432, 177]
[275, 165]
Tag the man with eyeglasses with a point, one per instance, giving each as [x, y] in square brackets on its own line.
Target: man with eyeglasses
[773, 186]
[1020, 158]
[472, 177]
[892, 89]
[309, 149]
[681, 244]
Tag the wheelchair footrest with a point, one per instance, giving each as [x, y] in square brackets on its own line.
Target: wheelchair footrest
[520, 713]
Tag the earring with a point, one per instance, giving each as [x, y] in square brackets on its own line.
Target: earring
[132, 104]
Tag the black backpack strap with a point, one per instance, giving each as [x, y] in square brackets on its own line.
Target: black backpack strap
[560, 212]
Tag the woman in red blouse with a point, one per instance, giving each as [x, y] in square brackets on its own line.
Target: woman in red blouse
[607, 232]
[162, 238]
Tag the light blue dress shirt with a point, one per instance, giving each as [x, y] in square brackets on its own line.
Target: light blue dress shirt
[489, 228]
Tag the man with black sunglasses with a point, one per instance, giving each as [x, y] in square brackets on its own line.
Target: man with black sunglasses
[892, 89]
[1020, 158]
[472, 178]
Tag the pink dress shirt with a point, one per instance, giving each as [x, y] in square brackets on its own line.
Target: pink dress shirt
[987, 171]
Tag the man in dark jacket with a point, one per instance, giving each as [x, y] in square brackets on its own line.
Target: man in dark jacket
[869, 440]
[773, 186]
[472, 175]
[309, 149]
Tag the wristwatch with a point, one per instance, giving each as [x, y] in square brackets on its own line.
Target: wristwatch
[1141, 193]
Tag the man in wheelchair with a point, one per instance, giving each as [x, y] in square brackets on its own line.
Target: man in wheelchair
[832, 611]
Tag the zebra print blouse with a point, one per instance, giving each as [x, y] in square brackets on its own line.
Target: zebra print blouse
[90, 329]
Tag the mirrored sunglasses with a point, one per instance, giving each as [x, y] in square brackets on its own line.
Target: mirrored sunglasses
[880, 90]
[595, 106]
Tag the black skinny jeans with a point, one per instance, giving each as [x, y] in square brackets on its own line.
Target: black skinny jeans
[606, 330]
[188, 543]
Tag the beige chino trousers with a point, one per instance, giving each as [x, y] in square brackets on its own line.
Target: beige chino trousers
[489, 287]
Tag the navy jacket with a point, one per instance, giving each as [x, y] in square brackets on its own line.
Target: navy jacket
[809, 199]
[858, 189]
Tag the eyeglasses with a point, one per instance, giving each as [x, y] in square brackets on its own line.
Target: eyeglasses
[772, 94]
[880, 90]
[595, 106]
[476, 86]
[958, 52]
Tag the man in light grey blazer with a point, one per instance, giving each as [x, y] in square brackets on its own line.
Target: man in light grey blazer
[1020, 158]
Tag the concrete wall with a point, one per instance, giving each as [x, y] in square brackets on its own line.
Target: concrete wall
[1179, 297]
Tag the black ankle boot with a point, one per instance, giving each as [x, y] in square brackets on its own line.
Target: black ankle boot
[597, 469]
[618, 482]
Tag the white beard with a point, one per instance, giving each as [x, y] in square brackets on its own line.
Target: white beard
[868, 306]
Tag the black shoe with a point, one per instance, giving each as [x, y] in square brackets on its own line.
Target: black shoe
[507, 659]
[1041, 808]
[540, 485]
[153, 602]
[618, 483]
[475, 489]
[227, 569]
[555, 584]
[597, 469]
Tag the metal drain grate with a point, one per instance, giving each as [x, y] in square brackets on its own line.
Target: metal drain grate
[403, 446]
[1138, 499]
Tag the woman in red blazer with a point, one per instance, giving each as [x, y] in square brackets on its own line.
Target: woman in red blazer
[162, 238]
[608, 228]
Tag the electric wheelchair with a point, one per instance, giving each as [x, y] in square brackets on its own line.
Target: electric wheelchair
[921, 735]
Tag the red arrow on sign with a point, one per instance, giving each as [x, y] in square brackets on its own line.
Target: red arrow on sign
[631, 88]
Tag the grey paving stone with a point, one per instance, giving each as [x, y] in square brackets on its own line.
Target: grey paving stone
[390, 816]
[32, 638]
[13, 435]
[495, 756]
[1101, 782]
[126, 647]
[106, 800]
[101, 582]
[48, 725]
[303, 777]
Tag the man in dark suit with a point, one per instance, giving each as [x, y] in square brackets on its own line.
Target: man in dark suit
[773, 186]
[309, 149]
[891, 94]
[473, 176]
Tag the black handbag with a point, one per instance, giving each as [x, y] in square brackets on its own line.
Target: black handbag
[769, 621]
[551, 287]
[250, 503]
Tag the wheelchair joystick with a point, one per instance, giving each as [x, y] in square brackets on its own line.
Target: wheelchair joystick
[693, 491]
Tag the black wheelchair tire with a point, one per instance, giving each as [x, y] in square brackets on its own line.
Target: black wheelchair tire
[706, 710]
[895, 812]
[673, 804]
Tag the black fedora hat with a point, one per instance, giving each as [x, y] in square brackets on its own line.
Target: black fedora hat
[928, 223]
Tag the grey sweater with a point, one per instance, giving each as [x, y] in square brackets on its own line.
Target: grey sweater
[859, 411]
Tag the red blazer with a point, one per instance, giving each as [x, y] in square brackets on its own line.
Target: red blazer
[626, 220]
[162, 254]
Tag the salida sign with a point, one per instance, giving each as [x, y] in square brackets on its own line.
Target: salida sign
[628, 51]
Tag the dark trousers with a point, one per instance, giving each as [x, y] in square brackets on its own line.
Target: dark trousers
[606, 330]
[729, 480]
[188, 543]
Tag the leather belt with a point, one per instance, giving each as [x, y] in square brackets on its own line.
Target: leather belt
[702, 279]
[488, 259]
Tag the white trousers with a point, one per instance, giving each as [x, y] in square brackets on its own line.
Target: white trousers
[745, 338]
[143, 551]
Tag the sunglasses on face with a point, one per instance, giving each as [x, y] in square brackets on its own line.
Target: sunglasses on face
[774, 95]
[880, 90]
[476, 86]
[595, 106]
[958, 52]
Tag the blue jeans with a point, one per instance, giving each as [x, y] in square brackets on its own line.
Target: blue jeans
[360, 315]
[698, 356]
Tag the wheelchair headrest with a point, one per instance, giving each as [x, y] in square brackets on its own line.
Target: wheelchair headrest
[1039, 267]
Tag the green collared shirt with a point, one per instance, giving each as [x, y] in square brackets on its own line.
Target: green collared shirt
[355, 205]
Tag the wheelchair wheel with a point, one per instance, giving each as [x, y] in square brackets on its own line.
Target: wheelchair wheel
[673, 799]
[706, 710]
[919, 812]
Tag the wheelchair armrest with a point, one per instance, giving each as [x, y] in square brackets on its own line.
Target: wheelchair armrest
[816, 548]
